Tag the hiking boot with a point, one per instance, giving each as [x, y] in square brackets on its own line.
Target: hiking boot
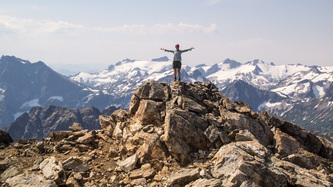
[179, 79]
[175, 79]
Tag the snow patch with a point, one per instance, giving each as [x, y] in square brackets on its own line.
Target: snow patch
[18, 114]
[262, 105]
[25, 130]
[59, 98]
[330, 103]
[30, 104]
[318, 91]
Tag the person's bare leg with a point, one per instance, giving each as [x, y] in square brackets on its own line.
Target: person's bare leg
[179, 74]
[174, 73]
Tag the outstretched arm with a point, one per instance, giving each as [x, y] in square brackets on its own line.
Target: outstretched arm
[185, 50]
[166, 50]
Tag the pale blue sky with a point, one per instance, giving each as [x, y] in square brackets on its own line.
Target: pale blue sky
[102, 32]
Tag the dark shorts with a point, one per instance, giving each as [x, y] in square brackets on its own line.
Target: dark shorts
[177, 65]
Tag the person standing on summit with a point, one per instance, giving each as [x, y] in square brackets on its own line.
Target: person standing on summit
[177, 59]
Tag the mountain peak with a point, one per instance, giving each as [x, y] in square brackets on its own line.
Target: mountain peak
[232, 63]
[161, 59]
[13, 59]
[315, 69]
[127, 60]
[255, 62]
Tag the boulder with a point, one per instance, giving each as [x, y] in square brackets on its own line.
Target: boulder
[72, 182]
[241, 163]
[9, 172]
[45, 147]
[119, 115]
[152, 90]
[87, 138]
[134, 104]
[75, 127]
[53, 170]
[146, 171]
[327, 149]
[259, 129]
[298, 176]
[205, 183]
[178, 124]
[107, 124]
[244, 135]
[304, 159]
[5, 139]
[75, 163]
[37, 163]
[78, 134]
[148, 112]
[190, 105]
[285, 144]
[139, 182]
[129, 163]
[152, 148]
[32, 180]
[308, 140]
[117, 132]
[183, 177]
[57, 136]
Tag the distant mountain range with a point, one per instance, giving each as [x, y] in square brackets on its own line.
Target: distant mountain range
[280, 89]
[299, 93]
[24, 85]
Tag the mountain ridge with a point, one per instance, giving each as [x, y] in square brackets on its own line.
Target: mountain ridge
[177, 134]
[115, 85]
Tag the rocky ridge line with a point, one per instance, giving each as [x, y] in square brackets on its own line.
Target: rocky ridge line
[180, 134]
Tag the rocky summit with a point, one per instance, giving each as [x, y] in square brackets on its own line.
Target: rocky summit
[178, 134]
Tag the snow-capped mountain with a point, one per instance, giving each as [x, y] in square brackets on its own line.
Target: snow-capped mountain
[295, 82]
[121, 79]
[264, 86]
[257, 73]
[303, 85]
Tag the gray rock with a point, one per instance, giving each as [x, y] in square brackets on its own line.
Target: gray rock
[31, 180]
[75, 127]
[244, 135]
[148, 112]
[107, 124]
[206, 183]
[240, 162]
[9, 172]
[37, 163]
[182, 177]
[53, 170]
[76, 164]
[178, 124]
[152, 90]
[129, 163]
[57, 136]
[139, 182]
[87, 138]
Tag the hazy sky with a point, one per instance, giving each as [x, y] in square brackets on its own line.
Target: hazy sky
[95, 34]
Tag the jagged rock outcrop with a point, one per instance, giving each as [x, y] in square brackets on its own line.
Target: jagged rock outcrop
[38, 122]
[180, 134]
[190, 122]
[5, 139]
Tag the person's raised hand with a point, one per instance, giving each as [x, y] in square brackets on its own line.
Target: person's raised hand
[162, 48]
[192, 48]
